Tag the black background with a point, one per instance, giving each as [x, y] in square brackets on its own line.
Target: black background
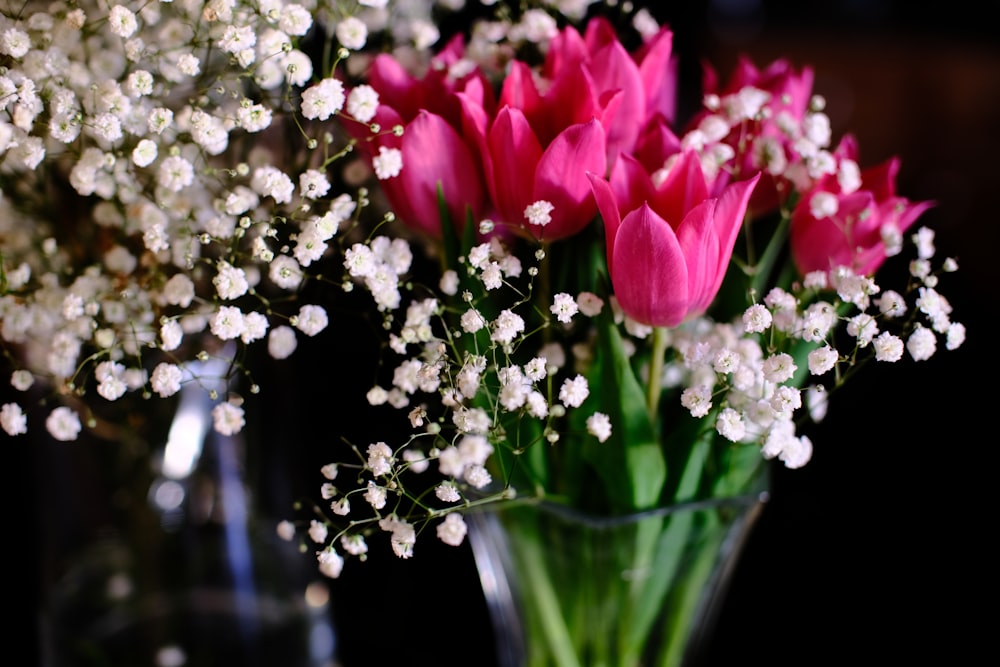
[877, 552]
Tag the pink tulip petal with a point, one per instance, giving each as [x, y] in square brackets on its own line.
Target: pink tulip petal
[729, 218]
[608, 208]
[650, 274]
[613, 69]
[566, 50]
[701, 249]
[561, 179]
[656, 143]
[880, 180]
[573, 98]
[395, 85]
[519, 90]
[434, 154]
[599, 33]
[514, 154]
[683, 188]
[658, 72]
[823, 244]
[632, 184]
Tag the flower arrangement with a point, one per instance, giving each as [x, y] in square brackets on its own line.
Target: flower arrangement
[585, 299]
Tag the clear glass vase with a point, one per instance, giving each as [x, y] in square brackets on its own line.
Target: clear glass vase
[153, 549]
[566, 589]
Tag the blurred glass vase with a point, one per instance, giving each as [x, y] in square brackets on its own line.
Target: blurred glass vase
[153, 552]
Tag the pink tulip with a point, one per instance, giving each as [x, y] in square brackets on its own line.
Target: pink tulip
[623, 92]
[437, 149]
[645, 83]
[790, 92]
[854, 232]
[435, 91]
[434, 155]
[521, 171]
[668, 246]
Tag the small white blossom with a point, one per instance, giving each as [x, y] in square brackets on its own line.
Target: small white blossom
[452, 530]
[564, 307]
[823, 205]
[447, 492]
[388, 163]
[122, 21]
[418, 461]
[12, 419]
[756, 319]
[331, 564]
[891, 304]
[863, 327]
[822, 360]
[362, 103]
[227, 418]
[281, 342]
[472, 321]
[63, 424]
[375, 495]
[230, 281]
[779, 368]
[888, 347]
[507, 327]
[22, 379]
[228, 323]
[599, 426]
[955, 336]
[311, 319]
[318, 531]
[924, 240]
[323, 99]
[144, 153]
[539, 213]
[698, 400]
[352, 33]
[590, 304]
[285, 530]
[380, 459]
[477, 476]
[922, 343]
[166, 379]
[730, 425]
[574, 391]
[111, 381]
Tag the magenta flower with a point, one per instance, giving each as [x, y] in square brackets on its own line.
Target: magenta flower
[437, 149]
[644, 84]
[668, 246]
[852, 218]
[434, 155]
[789, 92]
[524, 174]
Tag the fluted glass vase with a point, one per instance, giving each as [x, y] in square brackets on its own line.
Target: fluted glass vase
[565, 589]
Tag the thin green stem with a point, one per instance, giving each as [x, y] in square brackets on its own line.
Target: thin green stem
[654, 386]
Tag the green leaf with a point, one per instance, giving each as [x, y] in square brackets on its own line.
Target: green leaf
[631, 462]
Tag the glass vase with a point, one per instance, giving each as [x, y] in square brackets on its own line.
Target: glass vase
[566, 589]
[154, 549]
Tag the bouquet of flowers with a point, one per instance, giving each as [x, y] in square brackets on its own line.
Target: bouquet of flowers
[587, 301]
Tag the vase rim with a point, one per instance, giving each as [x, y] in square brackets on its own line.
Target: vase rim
[744, 500]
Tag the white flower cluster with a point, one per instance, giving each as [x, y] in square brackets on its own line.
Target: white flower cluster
[476, 389]
[749, 369]
[165, 169]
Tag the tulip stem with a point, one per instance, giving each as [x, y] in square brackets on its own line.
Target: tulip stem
[655, 385]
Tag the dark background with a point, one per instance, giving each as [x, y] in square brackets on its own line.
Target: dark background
[876, 551]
